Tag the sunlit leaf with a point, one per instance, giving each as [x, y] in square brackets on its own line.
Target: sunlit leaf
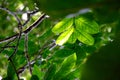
[86, 25]
[73, 37]
[85, 38]
[63, 25]
[64, 36]
[75, 74]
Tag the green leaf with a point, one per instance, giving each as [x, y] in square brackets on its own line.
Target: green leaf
[34, 77]
[11, 75]
[73, 37]
[81, 55]
[67, 65]
[50, 73]
[64, 36]
[63, 53]
[63, 25]
[85, 38]
[37, 72]
[72, 75]
[86, 25]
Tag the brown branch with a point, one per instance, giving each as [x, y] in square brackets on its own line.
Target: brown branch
[14, 68]
[39, 55]
[29, 14]
[7, 45]
[11, 13]
[34, 25]
[19, 37]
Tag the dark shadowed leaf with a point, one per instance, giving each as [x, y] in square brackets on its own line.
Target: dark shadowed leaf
[50, 72]
[37, 72]
[34, 77]
[63, 53]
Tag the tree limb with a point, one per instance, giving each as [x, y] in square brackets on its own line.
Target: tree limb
[32, 26]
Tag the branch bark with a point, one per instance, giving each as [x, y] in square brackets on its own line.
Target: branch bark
[32, 26]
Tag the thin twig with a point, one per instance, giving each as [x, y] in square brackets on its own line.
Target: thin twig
[26, 52]
[39, 56]
[11, 13]
[32, 26]
[6, 45]
[22, 12]
[21, 69]
[14, 68]
[29, 14]
[19, 37]
[19, 27]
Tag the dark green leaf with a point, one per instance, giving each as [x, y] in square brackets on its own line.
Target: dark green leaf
[37, 72]
[67, 65]
[50, 73]
[81, 55]
[11, 72]
[34, 77]
[63, 53]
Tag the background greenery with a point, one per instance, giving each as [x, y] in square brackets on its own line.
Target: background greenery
[79, 41]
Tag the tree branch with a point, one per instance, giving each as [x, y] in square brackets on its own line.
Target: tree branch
[6, 45]
[39, 56]
[11, 13]
[14, 68]
[32, 26]
[19, 37]
[29, 14]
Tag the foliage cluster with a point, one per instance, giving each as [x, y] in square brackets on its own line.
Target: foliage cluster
[59, 40]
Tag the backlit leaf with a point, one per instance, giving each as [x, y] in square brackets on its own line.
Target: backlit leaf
[86, 25]
[63, 25]
[73, 37]
[64, 36]
[85, 38]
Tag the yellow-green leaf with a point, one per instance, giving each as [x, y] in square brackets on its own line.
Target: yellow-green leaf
[73, 37]
[85, 38]
[64, 36]
[86, 25]
[63, 25]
